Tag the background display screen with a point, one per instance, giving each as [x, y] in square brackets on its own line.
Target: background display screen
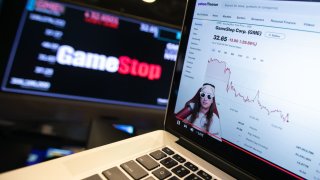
[67, 51]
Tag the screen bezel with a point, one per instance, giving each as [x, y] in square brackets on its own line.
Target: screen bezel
[232, 156]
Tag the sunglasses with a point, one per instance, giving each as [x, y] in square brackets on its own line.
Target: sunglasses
[203, 94]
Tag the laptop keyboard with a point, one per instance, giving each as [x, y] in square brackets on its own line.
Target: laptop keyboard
[162, 164]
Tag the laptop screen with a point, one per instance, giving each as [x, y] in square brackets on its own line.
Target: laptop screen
[246, 84]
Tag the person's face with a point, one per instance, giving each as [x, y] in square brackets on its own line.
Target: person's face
[206, 96]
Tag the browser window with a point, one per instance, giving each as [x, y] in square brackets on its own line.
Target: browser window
[262, 69]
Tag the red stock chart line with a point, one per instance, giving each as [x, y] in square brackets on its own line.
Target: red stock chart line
[230, 88]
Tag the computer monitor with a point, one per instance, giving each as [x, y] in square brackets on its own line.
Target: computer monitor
[69, 61]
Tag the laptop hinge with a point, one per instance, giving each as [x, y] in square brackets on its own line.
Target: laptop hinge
[215, 160]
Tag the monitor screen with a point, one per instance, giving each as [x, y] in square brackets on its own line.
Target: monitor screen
[70, 51]
[247, 87]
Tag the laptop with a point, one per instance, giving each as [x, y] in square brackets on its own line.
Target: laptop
[243, 102]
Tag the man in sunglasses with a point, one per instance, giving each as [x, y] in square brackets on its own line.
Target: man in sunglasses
[203, 112]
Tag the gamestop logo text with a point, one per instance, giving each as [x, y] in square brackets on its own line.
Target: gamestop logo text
[67, 55]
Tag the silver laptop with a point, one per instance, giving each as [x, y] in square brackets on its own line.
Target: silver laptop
[243, 102]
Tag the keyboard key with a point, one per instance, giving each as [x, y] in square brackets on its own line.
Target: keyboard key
[114, 174]
[179, 158]
[180, 171]
[168, 151]
[161, 173]
[147, 162]
[168, 162]
[191, 166]
[134, 170]
[93, 177]
[158, 155]
[173, 178]
[204, 175]
[193, 177]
